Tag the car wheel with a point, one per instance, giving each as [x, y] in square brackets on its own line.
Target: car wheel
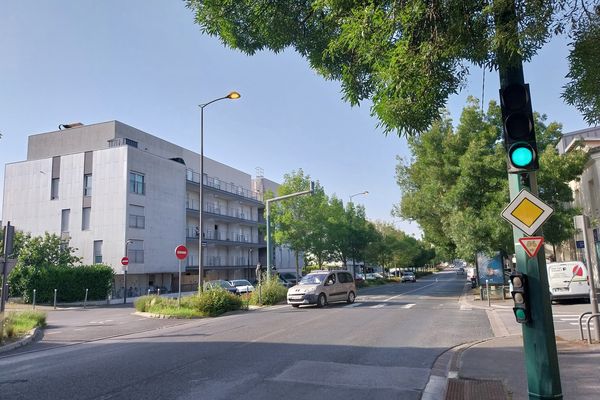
[321, 300]
[351, 298]
[295, 305]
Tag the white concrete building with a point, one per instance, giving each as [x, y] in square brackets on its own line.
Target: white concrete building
[102, 185]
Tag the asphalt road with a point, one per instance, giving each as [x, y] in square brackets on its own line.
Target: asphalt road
[381, 347]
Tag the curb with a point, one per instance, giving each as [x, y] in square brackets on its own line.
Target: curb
[32, 335]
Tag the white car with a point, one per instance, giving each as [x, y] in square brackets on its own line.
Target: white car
[242, 286]
[373, 276]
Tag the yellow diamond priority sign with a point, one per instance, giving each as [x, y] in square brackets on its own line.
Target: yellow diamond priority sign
[527, 212]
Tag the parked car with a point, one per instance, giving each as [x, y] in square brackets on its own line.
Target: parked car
[373, 276]
[323, 287]
[219, 283]
[359, 277]
[242, 286]
[568, 280]
[408, 276]
[289, 277]
[157, 290]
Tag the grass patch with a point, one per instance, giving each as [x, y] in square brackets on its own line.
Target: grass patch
[19, 323]
[209, 303]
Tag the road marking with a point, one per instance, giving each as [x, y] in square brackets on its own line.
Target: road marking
[577, 324]
[79, 329]
[53, 333]
[407, 306]
[352, 305]
[405, 293]
[465, 308]
[378, 306]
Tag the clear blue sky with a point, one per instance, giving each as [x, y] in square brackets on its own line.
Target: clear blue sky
[145, 63]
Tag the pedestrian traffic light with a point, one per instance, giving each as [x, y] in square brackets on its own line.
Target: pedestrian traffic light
[520, 297]
[519, 130]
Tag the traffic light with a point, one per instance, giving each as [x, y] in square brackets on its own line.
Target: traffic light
[519, 130]
[520, 297]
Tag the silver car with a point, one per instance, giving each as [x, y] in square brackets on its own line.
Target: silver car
[323, 287]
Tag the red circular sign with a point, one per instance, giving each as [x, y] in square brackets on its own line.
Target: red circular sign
[124, 261]
[181, 252]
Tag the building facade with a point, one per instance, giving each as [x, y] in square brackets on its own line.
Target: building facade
[111, 190]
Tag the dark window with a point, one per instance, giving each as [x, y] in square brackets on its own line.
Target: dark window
[54, 189]
[87, 185]
[136, 183]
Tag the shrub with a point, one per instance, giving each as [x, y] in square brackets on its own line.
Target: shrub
[270, 292]
[17, 324]
[217, 301]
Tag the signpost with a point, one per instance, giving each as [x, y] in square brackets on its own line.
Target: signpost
[124, 263]
[181, 253]
[527, 212]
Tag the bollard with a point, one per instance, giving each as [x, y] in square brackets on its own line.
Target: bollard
[148, 292]
[487, 290]
[55, 299]
[158, 291]
[34, 299]
[85, 300]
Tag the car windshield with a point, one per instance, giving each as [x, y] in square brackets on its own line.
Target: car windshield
[224, 284]
[408, 273]
[240, 283]
[313, 279]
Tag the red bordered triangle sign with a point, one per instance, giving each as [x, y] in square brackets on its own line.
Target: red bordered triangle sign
[531, 244]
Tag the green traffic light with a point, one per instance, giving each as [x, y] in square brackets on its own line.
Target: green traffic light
[520, 314]
[521, 156]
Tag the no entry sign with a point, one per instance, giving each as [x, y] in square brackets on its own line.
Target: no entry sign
[124, 260]
[181, 252]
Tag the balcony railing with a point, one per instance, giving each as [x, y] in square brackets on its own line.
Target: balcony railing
[219, 184]
[192, 232]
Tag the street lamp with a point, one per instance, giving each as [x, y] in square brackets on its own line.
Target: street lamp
[127, 243]
[230, 96]
[249, 262]
[357, 194]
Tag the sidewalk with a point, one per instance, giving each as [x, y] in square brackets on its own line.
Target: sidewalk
[495, 368]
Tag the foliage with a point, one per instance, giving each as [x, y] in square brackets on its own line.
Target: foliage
[408, 57]
[269, 292]
[456, 186]
[19, 323]
[69, 281]
[210, 303]
[43, 251]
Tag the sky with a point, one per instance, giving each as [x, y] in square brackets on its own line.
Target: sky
[145, 63]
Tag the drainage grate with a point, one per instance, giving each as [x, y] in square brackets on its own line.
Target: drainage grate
[467, 389]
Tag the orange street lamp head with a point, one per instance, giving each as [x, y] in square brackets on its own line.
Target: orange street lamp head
[234, 95]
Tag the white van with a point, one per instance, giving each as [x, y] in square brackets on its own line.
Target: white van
[568, 280]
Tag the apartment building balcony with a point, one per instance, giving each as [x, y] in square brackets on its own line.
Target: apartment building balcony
[229, 190]
[222, 238]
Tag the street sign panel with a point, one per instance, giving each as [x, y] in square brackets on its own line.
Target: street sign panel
[124, 260]
[532, 244]
[580, 244]
[181, 252]
[527, 212]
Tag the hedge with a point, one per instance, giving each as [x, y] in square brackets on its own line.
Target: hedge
[70, 282]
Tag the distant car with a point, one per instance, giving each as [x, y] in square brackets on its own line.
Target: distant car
[220, 284]
[157, 290]
[323, 287]
[408, 276]
[373, 276]
[242, 286]
[359, 278]
[285, 282]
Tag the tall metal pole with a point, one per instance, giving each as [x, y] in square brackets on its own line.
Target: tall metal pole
[201, 195]
[231, 96]
[584, 222]
[539, 342]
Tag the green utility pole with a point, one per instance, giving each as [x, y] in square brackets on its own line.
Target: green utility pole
[541, 359]
[268, 211]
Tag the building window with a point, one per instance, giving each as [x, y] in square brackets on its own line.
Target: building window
[97, 251]
[136, 217]
[135, 252]
[85, 218]
[87, 185]
[54, 189]
[136, 183]
[64, 221]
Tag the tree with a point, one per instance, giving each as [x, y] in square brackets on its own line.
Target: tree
[456, 187]
[408, 57]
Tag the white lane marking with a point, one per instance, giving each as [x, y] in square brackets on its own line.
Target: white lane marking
[352, 305]
[410, 291]
[53, 333]
[568, 319]
[79, 329]
[378, 306]
[465, 308]
[565, 315]
[577, 324]
[407, 306]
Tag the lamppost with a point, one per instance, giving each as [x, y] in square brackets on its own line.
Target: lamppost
[357, 194]
[127, 243]
[353, 260]
[231, 96]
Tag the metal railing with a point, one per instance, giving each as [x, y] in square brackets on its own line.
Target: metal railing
[216, 183]
[587, 325]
